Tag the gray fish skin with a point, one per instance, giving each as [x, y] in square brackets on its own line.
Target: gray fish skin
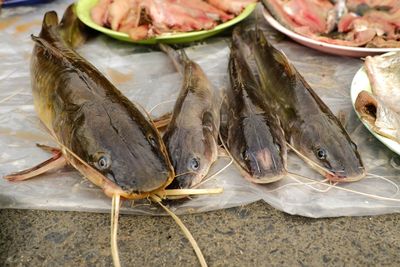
[309, 125]
[255, 138]
[89, 116]
[191, 136]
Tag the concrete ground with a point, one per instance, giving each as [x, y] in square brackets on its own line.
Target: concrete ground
[254, 235]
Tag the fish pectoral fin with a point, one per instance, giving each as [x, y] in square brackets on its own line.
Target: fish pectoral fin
[56, 162]
[50, 149]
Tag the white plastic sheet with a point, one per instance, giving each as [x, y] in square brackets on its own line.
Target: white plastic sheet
[148, 77]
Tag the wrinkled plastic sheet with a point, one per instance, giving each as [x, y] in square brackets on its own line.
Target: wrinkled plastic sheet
[147, 77]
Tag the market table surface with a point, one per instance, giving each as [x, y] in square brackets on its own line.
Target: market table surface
[253, 235]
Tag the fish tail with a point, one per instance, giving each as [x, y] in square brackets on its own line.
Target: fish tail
[72, 30]
[178, 59]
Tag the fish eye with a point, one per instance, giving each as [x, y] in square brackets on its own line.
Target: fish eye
[321, 153]
[194, 164]
[152, 140]
[103, 162]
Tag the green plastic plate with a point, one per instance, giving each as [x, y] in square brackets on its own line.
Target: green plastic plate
[83, 8]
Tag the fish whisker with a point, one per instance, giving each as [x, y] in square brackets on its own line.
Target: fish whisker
[11, 96]
[324, 182]
[161, 103]
[376, 176]
[184, 173]
[206, 179]
[359, 192]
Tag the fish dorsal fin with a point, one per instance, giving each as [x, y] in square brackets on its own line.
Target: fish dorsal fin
[284, 61]
[279, 56]
[178, 59]
[184, 57]
[50, 19]
[47, 47]
[72, 30]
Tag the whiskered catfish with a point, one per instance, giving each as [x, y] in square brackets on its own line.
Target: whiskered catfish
[255, 139]
[309, 125]
[191, 136]
[91, 119]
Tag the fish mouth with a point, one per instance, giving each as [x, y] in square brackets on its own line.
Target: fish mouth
[187, 181]
[344, 178]
[264, 179]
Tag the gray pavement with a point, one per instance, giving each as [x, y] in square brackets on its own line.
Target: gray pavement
[253, 235]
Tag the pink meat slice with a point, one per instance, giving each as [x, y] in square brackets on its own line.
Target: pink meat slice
[354, 38]
[231, 6]
[275, 7]
[392, 17]
[211, 11]
[346, 22]
[139, 33]
[379, 42]
[353, 4]
[99, 12]
[168, 17]
[131, 20]
[119, 10]
[311, 13]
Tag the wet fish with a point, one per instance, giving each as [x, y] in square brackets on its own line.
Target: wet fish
[381, 118]
[380, 109]
[191, 136]
[92, 119]
[308, 124]
[255, 138]
[384, 75]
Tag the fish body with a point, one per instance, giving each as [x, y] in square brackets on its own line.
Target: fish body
[92, 119]
[191, 136]
[254, 136]
[381, 118]
[308, 124]
[384, 75]
[380, 109]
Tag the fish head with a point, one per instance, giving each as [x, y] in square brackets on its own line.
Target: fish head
[127, 150]
[192, 152]
[261, 156]
[325, 144]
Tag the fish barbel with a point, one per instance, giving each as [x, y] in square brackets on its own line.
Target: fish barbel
[90, 118]
[191, 136]
[309, 125]
[255, 139]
